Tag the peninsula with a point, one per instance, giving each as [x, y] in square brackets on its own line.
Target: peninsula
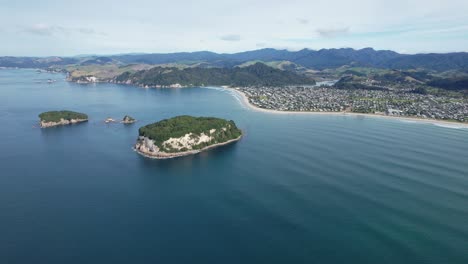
[185, 135]
[257, 74]
[59, 118]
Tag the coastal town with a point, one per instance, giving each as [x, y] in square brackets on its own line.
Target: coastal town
[384, 102]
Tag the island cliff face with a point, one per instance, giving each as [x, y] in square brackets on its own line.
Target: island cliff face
[61, 122]
[185, 135]
[60, 118]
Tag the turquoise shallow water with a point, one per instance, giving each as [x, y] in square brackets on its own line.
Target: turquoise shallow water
[295, 189]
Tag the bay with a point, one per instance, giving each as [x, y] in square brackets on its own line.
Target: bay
[295, 189]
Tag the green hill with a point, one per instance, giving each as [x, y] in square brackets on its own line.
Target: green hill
[257, 74]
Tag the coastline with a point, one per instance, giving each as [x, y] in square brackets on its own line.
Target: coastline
[185, 153]
[62, 122]
[246, 102]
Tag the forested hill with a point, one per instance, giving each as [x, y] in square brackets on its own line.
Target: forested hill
[310, 59]
[257, 74]
[314, 59]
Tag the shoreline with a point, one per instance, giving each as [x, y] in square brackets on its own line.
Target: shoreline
[62, 122]
[246, 102]
[185, 153]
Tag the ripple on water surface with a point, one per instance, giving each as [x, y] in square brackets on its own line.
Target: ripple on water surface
[296, 188]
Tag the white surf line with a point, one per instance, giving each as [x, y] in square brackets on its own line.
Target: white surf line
[232, 93]
[236, 94]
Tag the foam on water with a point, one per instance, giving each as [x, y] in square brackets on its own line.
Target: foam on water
[454, 126]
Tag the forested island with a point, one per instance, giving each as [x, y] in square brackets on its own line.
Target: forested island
[58, 118]
[185, 135]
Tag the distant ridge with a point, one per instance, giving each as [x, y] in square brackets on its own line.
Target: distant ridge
[311, 59]
[257, 74]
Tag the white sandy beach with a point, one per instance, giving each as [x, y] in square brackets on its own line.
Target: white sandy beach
[246, 102]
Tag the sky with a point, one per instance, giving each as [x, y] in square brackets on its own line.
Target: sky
[68, 28]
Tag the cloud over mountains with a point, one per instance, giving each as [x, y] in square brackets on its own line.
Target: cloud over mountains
[42, 29]
[231, 37]
[332, 32]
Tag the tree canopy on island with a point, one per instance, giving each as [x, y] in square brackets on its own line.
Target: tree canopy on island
[179, 126]
[56, 116]
[257, 74]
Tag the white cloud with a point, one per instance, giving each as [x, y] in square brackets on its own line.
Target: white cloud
[149, 25]
[40, 29]
[332, 32]
[303, 21]
[49, 30]
[232, 37]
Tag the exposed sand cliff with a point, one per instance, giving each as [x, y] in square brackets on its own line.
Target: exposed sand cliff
[183, 145]
[62, 122]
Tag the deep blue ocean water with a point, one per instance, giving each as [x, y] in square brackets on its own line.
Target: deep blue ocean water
[295, 189]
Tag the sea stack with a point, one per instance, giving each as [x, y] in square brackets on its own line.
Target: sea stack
[128, 120]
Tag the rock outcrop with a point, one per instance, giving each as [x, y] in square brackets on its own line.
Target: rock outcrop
[128, 120]
[147, 148]
[62, 122]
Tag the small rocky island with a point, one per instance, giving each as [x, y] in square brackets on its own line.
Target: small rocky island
[185, 135]
[59, 118]
[128, 120]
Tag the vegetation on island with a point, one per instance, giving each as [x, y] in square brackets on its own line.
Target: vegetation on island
[257, 74]
[56, 116]
[220, 130]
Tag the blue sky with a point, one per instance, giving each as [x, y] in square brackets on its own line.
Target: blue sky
[65, 28]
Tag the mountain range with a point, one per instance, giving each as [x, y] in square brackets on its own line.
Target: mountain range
[310, 59]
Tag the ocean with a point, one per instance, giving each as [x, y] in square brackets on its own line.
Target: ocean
[295, 189]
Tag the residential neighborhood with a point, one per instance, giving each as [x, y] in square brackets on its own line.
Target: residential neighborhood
[330, 99]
